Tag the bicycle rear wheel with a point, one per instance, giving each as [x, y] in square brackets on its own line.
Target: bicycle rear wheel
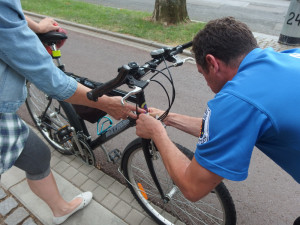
[53, 121]
[216, 208]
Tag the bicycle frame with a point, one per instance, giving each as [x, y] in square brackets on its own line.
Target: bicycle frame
[119, 127]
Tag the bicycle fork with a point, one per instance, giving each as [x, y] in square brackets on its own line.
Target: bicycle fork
[150, 150]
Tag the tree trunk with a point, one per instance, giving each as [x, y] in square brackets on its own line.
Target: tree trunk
[170, 11]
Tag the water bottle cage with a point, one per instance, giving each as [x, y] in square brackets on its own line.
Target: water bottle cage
[104, 126]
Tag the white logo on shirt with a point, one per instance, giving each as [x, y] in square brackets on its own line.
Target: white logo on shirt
[296, 55]
[204, 133]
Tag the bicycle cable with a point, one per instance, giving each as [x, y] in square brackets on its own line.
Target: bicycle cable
[170, 79]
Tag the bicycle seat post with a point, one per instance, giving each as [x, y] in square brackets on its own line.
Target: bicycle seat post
[56, 54]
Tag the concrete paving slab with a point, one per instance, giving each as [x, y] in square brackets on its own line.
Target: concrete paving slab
[22, 191]
[12, 177]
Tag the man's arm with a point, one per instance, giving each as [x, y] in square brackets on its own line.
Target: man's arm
[188, 124]
[193, 180]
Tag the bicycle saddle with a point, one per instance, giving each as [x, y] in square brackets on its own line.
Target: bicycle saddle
[52, 37]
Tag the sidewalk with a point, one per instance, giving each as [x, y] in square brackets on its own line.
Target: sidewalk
[112, 202]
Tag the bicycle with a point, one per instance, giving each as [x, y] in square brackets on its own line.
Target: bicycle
[140, 162]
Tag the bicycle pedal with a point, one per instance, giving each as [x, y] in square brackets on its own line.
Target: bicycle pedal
[115, 155]
[64, 134]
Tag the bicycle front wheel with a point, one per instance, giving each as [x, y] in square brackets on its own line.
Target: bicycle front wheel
[51, 120]
[215, 208]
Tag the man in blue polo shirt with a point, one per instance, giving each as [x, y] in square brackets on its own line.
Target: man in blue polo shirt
[256, 104]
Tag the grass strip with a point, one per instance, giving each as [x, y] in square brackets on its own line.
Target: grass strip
[134, 23]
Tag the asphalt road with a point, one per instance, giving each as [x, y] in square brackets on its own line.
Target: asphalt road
[268, 196]
[263, 16]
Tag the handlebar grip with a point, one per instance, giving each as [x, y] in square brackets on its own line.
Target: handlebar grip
[110, 85]
[180, 48]
[187, 45]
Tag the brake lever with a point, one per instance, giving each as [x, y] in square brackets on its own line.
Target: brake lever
[180, 62]
[133, 92]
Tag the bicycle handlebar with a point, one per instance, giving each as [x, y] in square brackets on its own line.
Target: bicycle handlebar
[132, 70]
[180, 48]
[108, 86]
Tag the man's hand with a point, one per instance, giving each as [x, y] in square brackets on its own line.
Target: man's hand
[149, 128]
[155, 112]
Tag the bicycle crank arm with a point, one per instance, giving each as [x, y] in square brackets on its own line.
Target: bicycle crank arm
[77, 141]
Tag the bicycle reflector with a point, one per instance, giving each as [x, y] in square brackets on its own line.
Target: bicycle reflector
[142, 191]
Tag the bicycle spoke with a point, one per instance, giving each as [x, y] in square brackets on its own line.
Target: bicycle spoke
[146, 179]
[177, 203]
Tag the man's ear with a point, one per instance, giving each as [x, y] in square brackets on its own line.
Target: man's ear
[212, 63]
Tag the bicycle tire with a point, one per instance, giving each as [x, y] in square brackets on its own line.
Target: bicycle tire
[59, 114]
[216, 208]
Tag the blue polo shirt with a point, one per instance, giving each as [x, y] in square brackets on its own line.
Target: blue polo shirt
[259, 107]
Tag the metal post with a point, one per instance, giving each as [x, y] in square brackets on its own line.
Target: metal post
[290, 33]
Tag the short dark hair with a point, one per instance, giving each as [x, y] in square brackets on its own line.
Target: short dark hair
[226, 39]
